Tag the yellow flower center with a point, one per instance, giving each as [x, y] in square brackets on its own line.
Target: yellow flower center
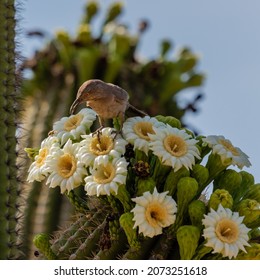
[101, 145]
[229, 147]
[175, 145]
[66, 165]
[73, 122]
[105, 174]
[227, 231]
[41, 157]
[155, 214]
[142, 129]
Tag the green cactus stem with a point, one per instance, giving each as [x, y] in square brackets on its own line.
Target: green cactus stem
[9, 191]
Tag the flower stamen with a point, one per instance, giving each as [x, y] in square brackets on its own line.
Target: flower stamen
[73, 122]
[175, 145]
[101, 145]
[142, 129]
[41, 157]
[227, 231]
[66, 165]
[105, 174]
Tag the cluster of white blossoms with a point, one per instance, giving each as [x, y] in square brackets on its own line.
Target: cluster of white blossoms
[73, 156]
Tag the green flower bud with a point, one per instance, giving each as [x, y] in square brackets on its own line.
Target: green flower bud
[31, 152]
[220, 196]
[187, 62]
[63, 36]
[173, 179]
[41, 241]
[229, 180]
[127, 223]
[84, 34]
[124, 197]
[187, 188]
[216, 166]
[165, 47]
[144, 185]
[197, 209]
[254, 233]
[253, 192]
[188, 238]
[120, 43]
[114, 11]
[253, 253]
[247, 181]
[169, 120]
[92, 8]
[250, 209]
[201, 174]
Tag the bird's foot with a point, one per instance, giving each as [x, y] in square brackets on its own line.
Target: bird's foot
[98, 133]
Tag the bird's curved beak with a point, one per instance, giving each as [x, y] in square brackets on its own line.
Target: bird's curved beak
[75, 105]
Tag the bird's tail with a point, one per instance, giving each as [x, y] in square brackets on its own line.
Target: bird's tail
[135, 111]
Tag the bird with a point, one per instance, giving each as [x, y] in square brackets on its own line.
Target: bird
[109, 101]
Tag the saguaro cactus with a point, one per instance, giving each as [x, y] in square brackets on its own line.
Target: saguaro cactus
[9, 192]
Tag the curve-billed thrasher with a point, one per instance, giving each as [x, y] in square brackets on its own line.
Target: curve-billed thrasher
[107, 100]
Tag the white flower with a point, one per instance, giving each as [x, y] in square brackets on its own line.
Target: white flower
[74, 126]
[38, 169]
[65, 169]
[154, 212]
[225, 232]
[174, 147]
[103, 143]
[137, 131]
[227, 151]
[106, 176]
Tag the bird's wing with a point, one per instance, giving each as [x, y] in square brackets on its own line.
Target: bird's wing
[119, 93]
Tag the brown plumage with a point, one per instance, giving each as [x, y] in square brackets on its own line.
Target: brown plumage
[107, 100]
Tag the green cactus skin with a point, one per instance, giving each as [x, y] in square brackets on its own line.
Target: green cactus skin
[229, 180]
[188, 238]
[197, 209]
[186, 190]
[77, 234]
[127, 223]
[169, 120]
[201, 174]
[145, 185]
[173, 179]
[89, 245]
[117, 248]
[247, 181]
[42, 242]
[61, 239]
[253, 192]
[9, 98]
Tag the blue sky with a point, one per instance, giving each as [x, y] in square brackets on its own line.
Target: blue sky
[225, 34]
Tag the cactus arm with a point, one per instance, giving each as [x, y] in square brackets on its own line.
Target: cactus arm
[9, 192]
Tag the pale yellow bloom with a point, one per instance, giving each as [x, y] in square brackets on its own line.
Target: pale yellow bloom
[153, 212]
[225, 232]
[227, 151]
